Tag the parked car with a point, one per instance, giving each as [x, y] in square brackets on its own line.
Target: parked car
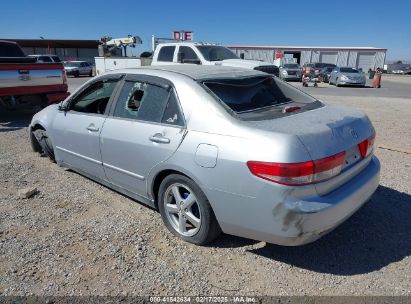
[216, 149]
[78, 68]
[325, 73]
[25, 83]
[347, 76]
[46, 58]
[318, 66]
[290, 71]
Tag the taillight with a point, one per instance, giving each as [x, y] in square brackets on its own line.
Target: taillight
[367, 146]
[64, 74]
[298, 174]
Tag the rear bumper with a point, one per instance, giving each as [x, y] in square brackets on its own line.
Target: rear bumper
[293, 222]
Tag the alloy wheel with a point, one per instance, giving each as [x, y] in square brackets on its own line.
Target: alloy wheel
[182, 209]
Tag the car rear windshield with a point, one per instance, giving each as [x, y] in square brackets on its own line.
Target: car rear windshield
[291, 66]
[348, 70]
[216, 53]
[322, 64]
[258, 98]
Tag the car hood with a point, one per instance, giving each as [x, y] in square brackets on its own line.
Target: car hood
[292, 69]
[242, 63]
[324, 131]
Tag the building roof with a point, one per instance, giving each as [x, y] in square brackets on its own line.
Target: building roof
[294, 48]
[53, 43]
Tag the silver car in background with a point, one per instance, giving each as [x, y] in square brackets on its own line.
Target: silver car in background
[291, 71]
[78, 68]
[216, 149]
[347, 76]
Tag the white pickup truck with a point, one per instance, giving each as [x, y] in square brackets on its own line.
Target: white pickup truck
[185, 53]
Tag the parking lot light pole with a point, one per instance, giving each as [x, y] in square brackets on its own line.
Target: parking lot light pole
[48, 44]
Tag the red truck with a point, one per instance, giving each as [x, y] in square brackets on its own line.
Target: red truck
[27, 84]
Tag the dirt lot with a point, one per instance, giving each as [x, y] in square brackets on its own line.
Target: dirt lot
[76, 237]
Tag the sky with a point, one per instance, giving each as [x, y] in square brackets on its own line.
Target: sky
[385, 24]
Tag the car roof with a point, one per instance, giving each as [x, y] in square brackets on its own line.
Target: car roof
[202, 72]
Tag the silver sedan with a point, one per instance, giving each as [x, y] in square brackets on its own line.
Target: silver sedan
[347, 76]
[216, 149]
[291, 71]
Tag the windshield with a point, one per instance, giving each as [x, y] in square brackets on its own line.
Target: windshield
[348, 70]
[255, 94]
[322, 64]
[72, 64]
[216, 53]
[291, 66]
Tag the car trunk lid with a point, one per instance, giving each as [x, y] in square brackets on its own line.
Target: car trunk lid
[324, 132]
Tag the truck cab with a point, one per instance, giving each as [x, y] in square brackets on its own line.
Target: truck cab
[206, 54]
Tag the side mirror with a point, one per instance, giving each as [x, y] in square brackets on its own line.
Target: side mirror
[63, 106]
[180, 57]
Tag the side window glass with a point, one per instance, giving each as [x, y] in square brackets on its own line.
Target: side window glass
[95, 98]
[45, 59]
[188, 54]
[172, 114]
[141, 101]
[166, 53]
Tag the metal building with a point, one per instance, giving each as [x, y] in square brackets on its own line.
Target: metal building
[65, 49]
[359, 57]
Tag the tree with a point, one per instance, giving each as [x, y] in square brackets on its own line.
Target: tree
[398, 62]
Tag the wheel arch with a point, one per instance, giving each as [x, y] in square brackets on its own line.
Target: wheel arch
[33, 140]
[158, 178]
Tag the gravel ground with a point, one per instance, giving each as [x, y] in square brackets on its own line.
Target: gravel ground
[76, 237]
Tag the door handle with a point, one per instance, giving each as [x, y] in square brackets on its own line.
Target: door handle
[92, 128]
[159, 138]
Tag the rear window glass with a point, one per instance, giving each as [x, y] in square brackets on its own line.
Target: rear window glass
[291, 66]
[257, 94]
[348, 70]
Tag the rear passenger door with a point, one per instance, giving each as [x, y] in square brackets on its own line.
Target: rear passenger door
[144, 128]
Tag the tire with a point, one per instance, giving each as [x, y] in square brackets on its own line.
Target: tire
[195, 223]
[44, 142]
[35, 146]
[91, 73]
[76, 74]
[336, 83]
